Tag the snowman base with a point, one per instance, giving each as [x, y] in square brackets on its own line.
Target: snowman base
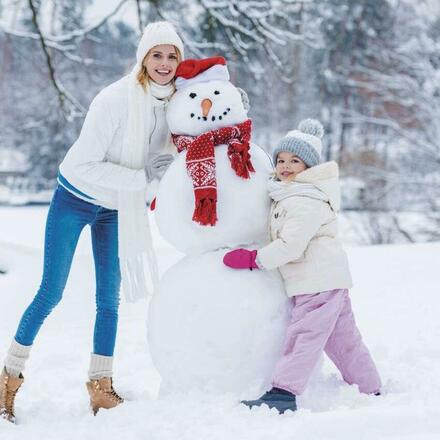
[217, 329]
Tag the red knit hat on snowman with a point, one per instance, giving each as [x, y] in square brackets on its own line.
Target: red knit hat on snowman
[200, 157]
[194, 71]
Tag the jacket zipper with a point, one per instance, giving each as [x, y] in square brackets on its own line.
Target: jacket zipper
[154, 126]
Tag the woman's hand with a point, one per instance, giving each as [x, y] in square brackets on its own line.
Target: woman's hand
[241, 259]
[156, 168]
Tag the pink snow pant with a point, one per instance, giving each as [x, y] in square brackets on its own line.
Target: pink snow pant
[324, 321]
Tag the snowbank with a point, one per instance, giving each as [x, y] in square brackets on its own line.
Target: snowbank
[396, 302]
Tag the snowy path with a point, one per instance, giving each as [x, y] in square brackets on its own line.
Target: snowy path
[396, 301]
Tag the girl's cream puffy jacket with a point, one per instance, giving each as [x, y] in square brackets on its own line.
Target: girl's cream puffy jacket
[303, 228]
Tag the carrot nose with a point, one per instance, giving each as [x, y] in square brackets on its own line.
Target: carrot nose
[206, 106]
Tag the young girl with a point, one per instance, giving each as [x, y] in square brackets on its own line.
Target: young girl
[124, 144]
[314, 267]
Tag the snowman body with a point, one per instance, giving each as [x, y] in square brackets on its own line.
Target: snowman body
[209, 326]
[242, 206]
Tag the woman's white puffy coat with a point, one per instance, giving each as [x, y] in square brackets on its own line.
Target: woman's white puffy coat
[304, 231]
[92, 163]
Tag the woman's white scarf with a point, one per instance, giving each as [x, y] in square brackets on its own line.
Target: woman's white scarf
[279, 190]
[137, 258]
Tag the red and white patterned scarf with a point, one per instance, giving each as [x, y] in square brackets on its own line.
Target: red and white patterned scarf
[200, 164]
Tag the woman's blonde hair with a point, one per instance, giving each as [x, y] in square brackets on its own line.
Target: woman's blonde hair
[143, 77]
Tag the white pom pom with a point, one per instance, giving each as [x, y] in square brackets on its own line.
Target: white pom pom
[311, 126]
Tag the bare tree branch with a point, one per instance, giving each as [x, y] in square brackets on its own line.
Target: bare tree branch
[139, 14]
[71, 35]
[63, 95]
[400, 229]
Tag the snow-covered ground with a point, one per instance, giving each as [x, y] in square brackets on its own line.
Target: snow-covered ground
[396, 301]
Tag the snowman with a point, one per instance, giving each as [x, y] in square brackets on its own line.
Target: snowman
[210, 327]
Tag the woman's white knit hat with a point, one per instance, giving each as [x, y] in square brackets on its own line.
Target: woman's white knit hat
[305, 142]
[158, 32]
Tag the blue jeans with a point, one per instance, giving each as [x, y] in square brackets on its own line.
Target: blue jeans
[67, 217]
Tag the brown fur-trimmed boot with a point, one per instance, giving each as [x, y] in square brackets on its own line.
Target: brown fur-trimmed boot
[9, 385]
[102, 394]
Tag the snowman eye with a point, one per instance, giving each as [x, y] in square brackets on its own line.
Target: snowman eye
[192, 95]
[216, 92]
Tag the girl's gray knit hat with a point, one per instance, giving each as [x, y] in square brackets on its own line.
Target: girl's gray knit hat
[304, 142]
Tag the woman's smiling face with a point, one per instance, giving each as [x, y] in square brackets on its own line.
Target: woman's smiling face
[161, 63]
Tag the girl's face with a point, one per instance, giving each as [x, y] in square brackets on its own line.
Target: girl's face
[288, 166]
[161, 63]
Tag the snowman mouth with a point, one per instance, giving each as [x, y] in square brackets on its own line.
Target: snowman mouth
[212, 118]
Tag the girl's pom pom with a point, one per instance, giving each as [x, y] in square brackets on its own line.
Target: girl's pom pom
[311, 126]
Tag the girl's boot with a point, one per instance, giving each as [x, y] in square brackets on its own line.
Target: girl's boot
[9, 385]
[277, 398]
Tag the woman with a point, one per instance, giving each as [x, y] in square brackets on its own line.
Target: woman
[102, 182]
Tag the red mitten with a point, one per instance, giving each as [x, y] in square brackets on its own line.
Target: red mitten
[241, 259]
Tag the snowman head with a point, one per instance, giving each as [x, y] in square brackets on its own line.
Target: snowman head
[205, 99]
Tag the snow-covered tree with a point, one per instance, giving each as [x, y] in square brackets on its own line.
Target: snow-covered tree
[368, 68]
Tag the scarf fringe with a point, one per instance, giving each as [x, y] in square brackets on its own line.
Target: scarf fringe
[137, 258]
[205, 212]
[134, 280]
[241, 162]
[139, 276]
